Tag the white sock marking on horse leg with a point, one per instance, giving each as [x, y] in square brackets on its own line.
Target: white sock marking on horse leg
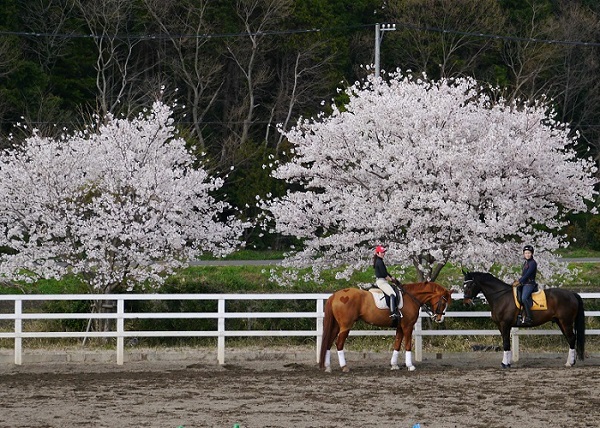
[328, 358]
[342, 358]
[506, 357]
[394, 360]
[571, 358]
[408, 358]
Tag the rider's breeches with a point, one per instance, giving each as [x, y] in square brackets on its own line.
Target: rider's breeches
[526, 296]
[384, 286]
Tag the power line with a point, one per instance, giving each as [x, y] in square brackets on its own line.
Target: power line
[162, 36]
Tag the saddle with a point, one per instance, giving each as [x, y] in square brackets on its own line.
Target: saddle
[539, 300]
[382, 301]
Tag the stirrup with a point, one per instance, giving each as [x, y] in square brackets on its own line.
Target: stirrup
[395, 316]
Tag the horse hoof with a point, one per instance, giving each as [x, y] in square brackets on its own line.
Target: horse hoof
[395, 367]
[570, 364]
[505, 366]
[411, 368]
[328, 369]
[345, 369]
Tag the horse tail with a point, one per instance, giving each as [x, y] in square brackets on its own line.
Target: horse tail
[328, 328]
[580, 328]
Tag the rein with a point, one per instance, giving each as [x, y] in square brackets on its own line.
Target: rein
[425, 306]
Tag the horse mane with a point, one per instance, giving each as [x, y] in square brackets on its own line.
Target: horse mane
[427, 285]
[488, 277]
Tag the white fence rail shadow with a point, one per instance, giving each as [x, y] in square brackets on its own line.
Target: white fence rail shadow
[18, 316]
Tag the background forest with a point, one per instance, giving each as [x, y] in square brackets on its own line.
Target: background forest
[239, 69]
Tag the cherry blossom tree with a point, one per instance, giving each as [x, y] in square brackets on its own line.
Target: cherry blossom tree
[119, 204]
[437, 171]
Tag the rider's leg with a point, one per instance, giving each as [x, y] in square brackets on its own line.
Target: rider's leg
[527, 303]
[384, 286]
[393, 309]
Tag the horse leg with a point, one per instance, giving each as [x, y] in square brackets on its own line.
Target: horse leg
[408, 351]
[331, 330]
[341, 339]
[327, 362]
[397, 345]
[507, 355]
[567, 331]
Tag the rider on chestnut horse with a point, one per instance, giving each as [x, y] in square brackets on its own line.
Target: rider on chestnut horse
[382, 279]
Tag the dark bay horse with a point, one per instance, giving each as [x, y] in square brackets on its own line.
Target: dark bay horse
[564, 307]
[345, 307]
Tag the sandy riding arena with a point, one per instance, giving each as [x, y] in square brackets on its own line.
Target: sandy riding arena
[456, 390]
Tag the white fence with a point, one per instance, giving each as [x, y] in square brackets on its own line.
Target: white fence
[120, 333]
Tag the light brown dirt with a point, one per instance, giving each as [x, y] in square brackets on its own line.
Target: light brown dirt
[461, 390]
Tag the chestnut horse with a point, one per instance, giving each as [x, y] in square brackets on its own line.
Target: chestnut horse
[345, 307]
[564, 307]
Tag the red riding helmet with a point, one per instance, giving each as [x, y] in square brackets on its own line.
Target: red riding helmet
[380, 249]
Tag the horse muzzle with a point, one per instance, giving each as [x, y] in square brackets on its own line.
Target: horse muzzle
[438, 318]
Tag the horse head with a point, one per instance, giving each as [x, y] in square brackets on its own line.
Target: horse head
[439, 303]
[470, 287]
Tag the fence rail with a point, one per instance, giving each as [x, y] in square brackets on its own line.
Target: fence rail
[221, 314]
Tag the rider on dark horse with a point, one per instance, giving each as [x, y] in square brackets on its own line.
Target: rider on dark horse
[383, 279]
[527, 282]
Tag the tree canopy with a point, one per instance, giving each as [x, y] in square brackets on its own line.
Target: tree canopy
[120, 203]
[438, 171]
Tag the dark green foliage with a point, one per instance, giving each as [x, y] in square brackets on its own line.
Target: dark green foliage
[593, 232]
[59, 87]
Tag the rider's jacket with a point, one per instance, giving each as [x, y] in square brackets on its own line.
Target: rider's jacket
[380, 269]
[529, 271]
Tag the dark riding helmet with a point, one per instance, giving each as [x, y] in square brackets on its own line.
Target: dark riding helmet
[528, 248]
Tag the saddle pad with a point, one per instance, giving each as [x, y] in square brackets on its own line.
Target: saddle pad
[379, 298]
[539, 300]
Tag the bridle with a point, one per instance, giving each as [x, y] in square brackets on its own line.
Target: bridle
[440, 309]
[466, 282]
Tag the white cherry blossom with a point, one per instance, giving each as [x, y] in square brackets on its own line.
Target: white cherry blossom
[437, 171]
[119, 203]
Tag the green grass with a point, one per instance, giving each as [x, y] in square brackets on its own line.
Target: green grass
[249, 255]
[578, 252]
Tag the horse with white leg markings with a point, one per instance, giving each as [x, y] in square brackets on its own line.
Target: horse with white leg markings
[345, 307]
[563, 307]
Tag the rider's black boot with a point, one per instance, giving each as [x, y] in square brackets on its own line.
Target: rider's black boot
[528, 317]
[393, 311]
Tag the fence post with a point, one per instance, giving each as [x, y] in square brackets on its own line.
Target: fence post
[221, 330]
[418, 338]
[320, 315]
[514, 332]
[18, 332]
[120, 331]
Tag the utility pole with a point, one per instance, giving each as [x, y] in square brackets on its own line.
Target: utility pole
[380, 30]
